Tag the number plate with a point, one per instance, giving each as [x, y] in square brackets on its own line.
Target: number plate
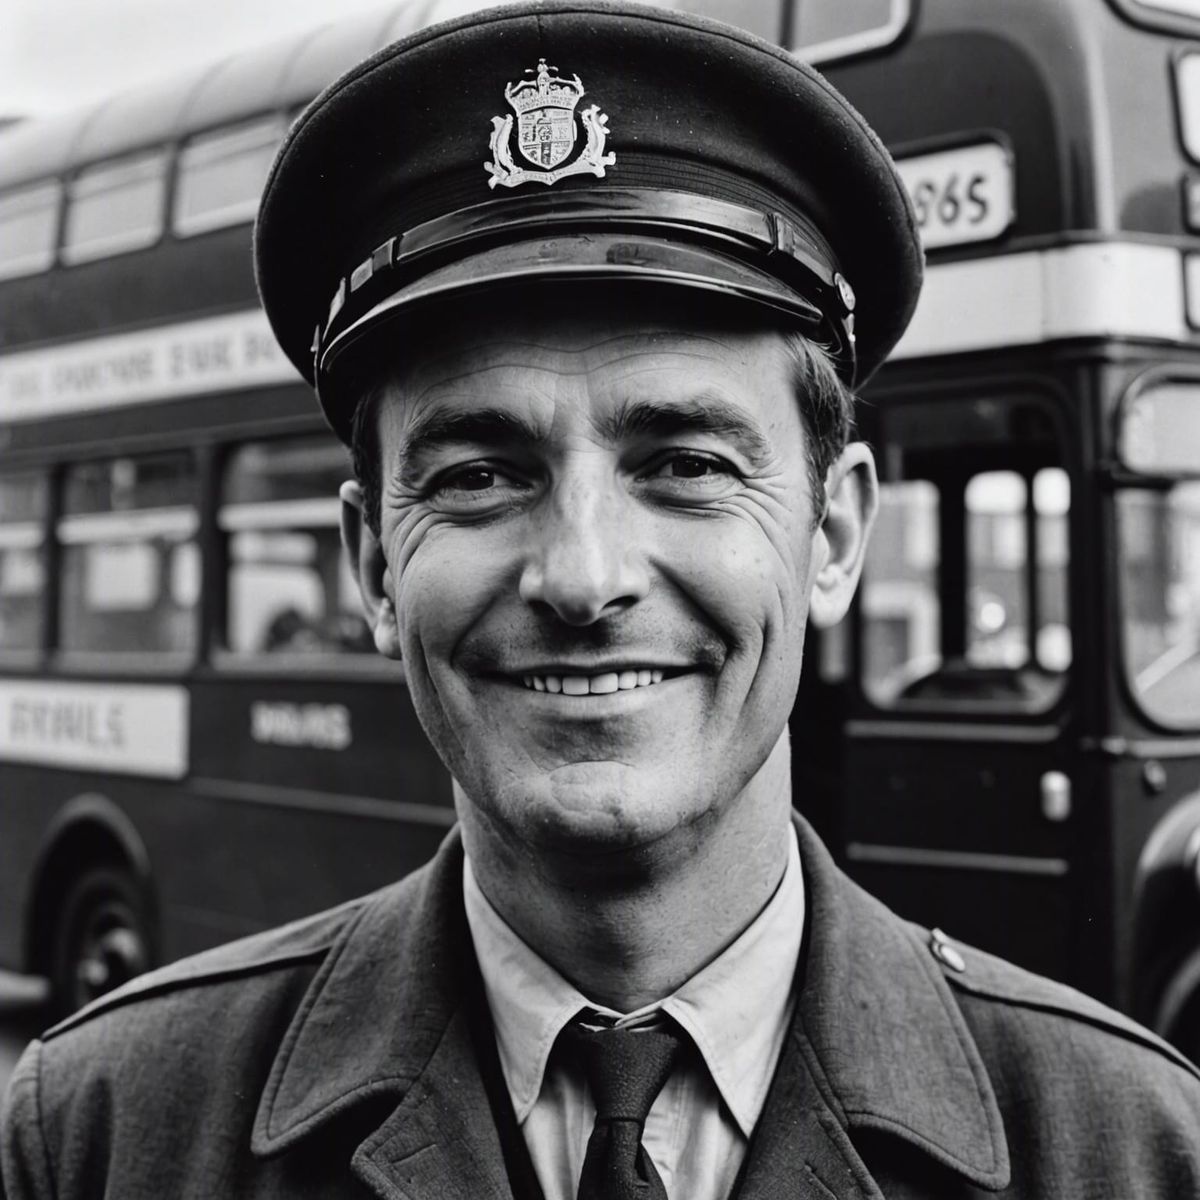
[961, 195]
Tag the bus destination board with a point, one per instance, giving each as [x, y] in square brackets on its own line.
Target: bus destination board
[961, 195]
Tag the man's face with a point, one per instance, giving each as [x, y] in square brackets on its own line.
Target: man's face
[600, 545]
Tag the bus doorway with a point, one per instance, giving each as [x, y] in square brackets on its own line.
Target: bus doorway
[958, 767]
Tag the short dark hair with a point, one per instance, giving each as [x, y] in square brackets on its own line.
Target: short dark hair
[826, 407]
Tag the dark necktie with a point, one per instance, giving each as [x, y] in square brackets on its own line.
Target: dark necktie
[625, 1069]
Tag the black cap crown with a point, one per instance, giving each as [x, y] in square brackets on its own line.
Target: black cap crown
[578, 141]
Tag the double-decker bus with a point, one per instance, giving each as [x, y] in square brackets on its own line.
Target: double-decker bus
[1003, 740]
[1020, 759]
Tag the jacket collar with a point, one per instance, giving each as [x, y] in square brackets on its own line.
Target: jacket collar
[876, 1028]
[876, 1017]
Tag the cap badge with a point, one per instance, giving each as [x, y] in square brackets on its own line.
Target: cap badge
[547, 132]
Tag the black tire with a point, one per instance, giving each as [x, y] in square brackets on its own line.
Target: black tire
[101, 937]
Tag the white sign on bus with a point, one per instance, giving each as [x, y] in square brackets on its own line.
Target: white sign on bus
[185, 359]
[122, 728]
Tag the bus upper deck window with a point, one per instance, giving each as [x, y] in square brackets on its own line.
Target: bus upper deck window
[114, 207]
[823, 30]
[22, 566]
[289, 591]
[28, 226]
[221, 175]
[964, 597]
[1158, 549]
[130, 570]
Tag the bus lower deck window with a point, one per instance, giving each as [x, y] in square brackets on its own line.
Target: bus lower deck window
[964, 596]
[130, 565]
[289, 591]
[23, 501]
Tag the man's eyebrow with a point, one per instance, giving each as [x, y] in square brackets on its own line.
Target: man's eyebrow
[438, 428]
[702, 413]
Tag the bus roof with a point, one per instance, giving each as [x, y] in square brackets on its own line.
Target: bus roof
[280, 76]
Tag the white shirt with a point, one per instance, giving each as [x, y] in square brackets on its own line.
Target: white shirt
[736, 1010]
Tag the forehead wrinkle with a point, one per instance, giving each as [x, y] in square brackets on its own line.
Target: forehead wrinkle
[437, 386]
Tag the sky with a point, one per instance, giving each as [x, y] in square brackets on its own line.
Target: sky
[55, 54]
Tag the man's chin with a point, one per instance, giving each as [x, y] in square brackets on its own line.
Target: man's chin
[590, 809]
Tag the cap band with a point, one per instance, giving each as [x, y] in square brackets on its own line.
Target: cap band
[777, 259]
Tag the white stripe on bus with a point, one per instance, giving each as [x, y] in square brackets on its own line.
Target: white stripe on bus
[1091, 290]
[176, 523]
[26, 535]
[314, 512]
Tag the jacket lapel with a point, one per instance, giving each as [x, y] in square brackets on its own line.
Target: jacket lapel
[387, 1016]
[877, 1044]
[800, 1147]
[441, 1142]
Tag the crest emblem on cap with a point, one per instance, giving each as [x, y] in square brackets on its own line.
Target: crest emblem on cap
[548, 130]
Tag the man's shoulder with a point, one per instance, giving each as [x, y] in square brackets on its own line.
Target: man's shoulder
[248, 984]
[1030, 1025]
[252, 962]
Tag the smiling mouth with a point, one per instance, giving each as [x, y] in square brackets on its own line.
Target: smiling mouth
[601, 684]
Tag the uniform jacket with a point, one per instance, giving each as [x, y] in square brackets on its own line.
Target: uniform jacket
[334, 1058]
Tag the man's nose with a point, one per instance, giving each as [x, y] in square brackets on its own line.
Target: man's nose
[584, 559]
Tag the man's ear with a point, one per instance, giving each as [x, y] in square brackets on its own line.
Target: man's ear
[365, 556]
[852, 499]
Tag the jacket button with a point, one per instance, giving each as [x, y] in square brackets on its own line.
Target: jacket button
[945, 951]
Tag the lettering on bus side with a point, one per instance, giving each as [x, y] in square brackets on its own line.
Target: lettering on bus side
[52, 722]
[320, 726]
[130, 728]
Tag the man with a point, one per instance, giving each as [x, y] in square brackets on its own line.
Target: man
[589, 284]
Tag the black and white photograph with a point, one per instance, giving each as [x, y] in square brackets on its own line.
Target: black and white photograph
[600, 600]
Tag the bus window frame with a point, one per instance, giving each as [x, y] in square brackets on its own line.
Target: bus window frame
[49, 259]
[125, 664]
[68, 256]
[1146, 381]
[853, 45]
[31, 658]
[229, 664]
[1116, 477]
[1051, 396]
[1157, 20]
[183, 227]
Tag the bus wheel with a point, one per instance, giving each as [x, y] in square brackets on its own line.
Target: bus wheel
[101, 938]
[1177, 1018]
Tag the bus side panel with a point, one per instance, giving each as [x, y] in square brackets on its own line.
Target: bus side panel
[240, 864]
[951, 834]
[319, 790]
[30, 798]
[342, 737]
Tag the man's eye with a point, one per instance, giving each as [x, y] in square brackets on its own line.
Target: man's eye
[690, 465]
[471, 479]
[475, 485]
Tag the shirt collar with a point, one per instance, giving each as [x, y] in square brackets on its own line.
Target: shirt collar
[736, 1009]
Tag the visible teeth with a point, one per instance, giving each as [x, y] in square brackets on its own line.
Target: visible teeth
[597, 685]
